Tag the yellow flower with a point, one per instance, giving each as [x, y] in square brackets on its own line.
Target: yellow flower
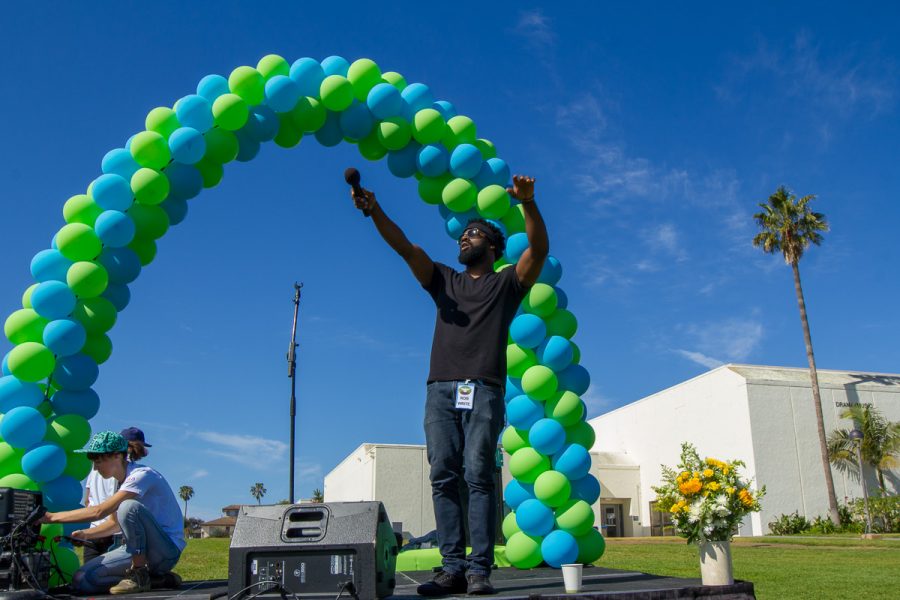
[685, 475]
[746, 498]
[708, 473]
[725, 470]
[696, 474]
[713, 486]
[730, 491]
[691, 486]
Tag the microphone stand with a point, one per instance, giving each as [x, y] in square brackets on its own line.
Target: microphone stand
[292, 373]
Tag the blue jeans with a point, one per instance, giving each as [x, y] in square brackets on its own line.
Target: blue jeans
[463, 444]
[143, 535]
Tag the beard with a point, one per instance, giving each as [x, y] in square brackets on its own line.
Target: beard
[473, 254]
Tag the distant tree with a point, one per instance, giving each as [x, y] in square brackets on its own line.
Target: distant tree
[258, 491]
[880, 444]
[789, 226]
[284, 501]
[318, 496]
[186, 492]
[192, 526]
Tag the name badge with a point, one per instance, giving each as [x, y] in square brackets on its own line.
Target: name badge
[465, 395]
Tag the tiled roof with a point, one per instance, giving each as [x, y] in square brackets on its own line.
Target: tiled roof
[220, 522]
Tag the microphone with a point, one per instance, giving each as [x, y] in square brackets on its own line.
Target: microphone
[352, 177]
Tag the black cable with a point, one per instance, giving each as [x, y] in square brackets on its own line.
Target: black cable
[349, 588]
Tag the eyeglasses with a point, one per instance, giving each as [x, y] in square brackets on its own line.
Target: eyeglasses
[472, 232]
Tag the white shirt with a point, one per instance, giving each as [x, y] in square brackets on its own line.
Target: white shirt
[153, 491]
[99, 489]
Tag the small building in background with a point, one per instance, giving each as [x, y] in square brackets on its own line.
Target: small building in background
[224, 525]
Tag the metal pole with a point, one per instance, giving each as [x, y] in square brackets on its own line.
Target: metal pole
[865, 487]
[292, 373]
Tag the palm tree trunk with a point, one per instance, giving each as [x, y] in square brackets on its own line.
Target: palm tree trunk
[817, 400]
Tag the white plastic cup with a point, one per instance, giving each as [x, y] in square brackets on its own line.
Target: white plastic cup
[572, 578]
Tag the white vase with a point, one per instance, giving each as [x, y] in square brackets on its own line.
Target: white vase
[715, 563]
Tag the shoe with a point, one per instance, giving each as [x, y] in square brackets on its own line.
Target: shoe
[480, 585]
[136, 580]
[443, 584]
[165, 581]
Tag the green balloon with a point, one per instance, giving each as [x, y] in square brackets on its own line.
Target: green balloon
[562, 322]
[519, 359]
[289, 134]
[249, 84]
[590, 546]
[363, 75]
[336, 92]
[575, 516]
[26, 296]
[24, 325]
[149, 186]
[221, 146]
[72, 431]
[394, 133]
[493, 202]
[31, 361]
[486, 147]
[459, 195]
[19, 482]
[370, 147]
[271, 65]
[309, 114]
[581, 433]
[540, 300]
[87, 279]
[77, 241]
[162, 120]
[576, 353]
[66, 562]
[428, 126]
[510, 527]
[81, 208]
[539, 382]
[150, 149]
[77, 466]
[211, 171]
[395, 79]
[514, 440]
[45, 408]
[514, 220]
[51, 530]
[527, 463]
[151, 222]
[460, 130]
[10, 459]
[98, 347]
[230, 112]
[524, 551]
[431, 189]
[97, 315]
[566, 407]
[552, 488]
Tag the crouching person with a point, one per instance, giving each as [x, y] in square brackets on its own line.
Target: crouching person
[144, 510]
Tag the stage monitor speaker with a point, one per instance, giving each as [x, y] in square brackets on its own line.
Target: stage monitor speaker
[312, 550]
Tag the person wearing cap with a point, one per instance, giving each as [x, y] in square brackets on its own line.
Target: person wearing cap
[464, 405]
[97, 489]
[144, 510]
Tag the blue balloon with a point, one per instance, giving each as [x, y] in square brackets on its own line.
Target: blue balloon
[465, 161]
[562, 300]
[456, 223]
[14, 392]
[574, 378]
[23, 427]
[330, 133]
[75, 402]
[417, 97]
[447, 110]
[212, 86]
[119, 161]
[44, 462]
[493, 171]
[118, 294]
[547, 436]
[308, 74]
[4, 365]
[517, 492]
[528, 330]
[185, 181]
[122, 264]
[112, 192]
[402, 163]
[176, 208]
[433, 160]
[248, 147]
[63, 493]
[76, 372]
[187, 145]
[559, 548]
[522, 412]
[114, 228]
[587, 488]
[551, 271]
[335, 65]
[128, 142]
[195, 111]
[262, 124]
[50, 265]
[573, 461]
[385, 101]
[53, 300]
[534, 517]
[513, 388]
[515, 246]
[64, 337]
[356, 121]
[282, 93]
[556, 352]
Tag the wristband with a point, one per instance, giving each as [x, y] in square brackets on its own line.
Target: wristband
[527, 200]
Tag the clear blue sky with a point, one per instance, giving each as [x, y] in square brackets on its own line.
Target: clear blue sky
[653, 132]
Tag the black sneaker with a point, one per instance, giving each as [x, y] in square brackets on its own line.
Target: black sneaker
[165, 581]
[443, 584]
[480, 585]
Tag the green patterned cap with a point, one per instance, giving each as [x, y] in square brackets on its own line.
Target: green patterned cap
[105, 441]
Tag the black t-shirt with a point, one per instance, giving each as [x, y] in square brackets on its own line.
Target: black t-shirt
[472, 324]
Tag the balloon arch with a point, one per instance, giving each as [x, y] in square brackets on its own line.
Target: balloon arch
[111, 233]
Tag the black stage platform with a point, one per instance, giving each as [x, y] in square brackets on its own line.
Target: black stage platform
[511, 584]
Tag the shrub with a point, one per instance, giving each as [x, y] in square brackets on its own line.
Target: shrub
[791, 524]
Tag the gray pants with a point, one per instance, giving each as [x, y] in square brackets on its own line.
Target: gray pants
[143, 535]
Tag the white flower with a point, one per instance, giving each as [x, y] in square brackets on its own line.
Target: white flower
[695, 511]
[720, 508]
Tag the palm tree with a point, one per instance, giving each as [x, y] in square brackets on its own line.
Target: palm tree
[880, 447]
[789, 226]
[318, 497]
[186, 492]
[258, 491]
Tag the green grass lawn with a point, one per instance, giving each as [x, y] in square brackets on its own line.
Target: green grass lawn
[792, 567]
